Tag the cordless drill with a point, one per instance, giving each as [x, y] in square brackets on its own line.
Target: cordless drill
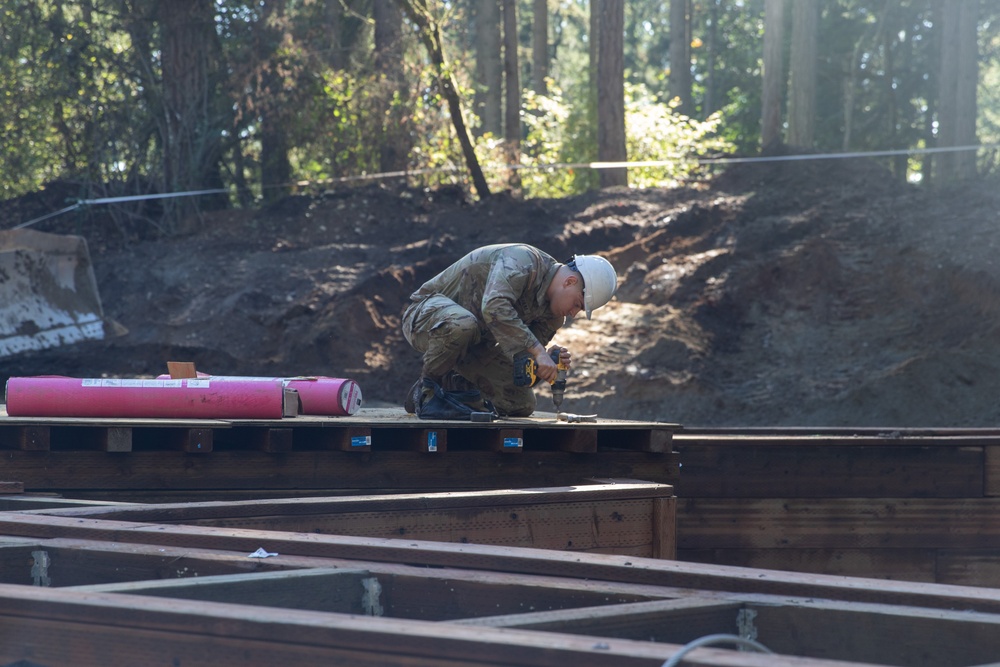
[526, 374]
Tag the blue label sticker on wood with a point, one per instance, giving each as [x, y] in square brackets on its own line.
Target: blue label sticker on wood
[361, 440]
[513, 442]
[432, 441]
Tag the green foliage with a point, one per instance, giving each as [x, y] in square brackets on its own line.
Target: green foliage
[657, 133]
[554, 154]
[81, 92]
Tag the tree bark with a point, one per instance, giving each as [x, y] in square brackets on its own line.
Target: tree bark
[679, 82]
[959, 75]
[540, 46]
[430, 35]
[275, 167]
[611, 93]
[512, 106]
[334, 10]
[489, 73]
[774, 83]
[394, 144]
[710, 103]
[190, 127]
[802, 84]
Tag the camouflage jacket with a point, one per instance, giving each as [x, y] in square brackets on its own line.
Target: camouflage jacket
[504, 286]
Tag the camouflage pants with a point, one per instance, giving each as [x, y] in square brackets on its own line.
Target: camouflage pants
[449, 337]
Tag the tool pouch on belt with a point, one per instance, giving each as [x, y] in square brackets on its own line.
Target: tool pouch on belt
[455, 405]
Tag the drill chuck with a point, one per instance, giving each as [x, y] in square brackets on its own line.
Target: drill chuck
[526, 375]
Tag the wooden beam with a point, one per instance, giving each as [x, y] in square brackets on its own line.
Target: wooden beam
[839, 523]
[880, 634]
[678, 620]
[623, 518]
[767, 471]
[55, 626]
[623, 569]
[343, 591]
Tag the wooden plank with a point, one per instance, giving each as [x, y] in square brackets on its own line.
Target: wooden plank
[604, 490]
[678, 620]
[606, 518]
[980, 567]
[84, 629]
[761, 471]
[664, 528]
[919, 565]
[838, 523]
[377, 470]
[879, 633]
[646, 440]
[342, 591]
[623, 569]
[620, 526]
[991, 471]
[351, 439]
[820, 437]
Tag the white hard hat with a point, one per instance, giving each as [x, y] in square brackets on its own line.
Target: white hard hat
[599, 281]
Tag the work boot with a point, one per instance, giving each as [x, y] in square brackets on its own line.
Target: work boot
[416, 397]
[410, 402]
[452, 381]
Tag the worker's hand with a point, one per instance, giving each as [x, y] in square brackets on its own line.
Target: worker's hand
[564, 356]
[545, 368]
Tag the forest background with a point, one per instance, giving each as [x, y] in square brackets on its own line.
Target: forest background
[800, 195]
[261, 99]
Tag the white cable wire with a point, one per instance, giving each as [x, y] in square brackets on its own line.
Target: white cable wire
[558, 165]
[676, 658]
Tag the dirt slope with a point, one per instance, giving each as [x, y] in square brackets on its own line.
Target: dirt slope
[804, 294]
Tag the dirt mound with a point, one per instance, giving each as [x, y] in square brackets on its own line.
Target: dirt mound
[802, 293]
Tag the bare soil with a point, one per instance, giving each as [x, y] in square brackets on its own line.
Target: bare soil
[807, 293]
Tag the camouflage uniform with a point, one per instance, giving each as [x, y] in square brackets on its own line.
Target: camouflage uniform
[480, 312]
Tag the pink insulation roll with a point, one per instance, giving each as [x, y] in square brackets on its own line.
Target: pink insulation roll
[318, 395]
[201, 398]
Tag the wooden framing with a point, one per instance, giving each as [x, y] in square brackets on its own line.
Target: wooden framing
[375, 450]
[121, 593]
[616, 516]
[915, 504]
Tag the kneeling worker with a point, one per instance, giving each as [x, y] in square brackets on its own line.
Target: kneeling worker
[496, 303]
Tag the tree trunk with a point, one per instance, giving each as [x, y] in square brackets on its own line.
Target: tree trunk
[679, 82]
[275, 167]
[430, 35]
[611, 93]
[712, 47]
[334, 10]
[394, 143]
[802, 85]
[540, 46]
[774, 73]
[512, 107]
[191, 128]
[958, 78]
[489, 73]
